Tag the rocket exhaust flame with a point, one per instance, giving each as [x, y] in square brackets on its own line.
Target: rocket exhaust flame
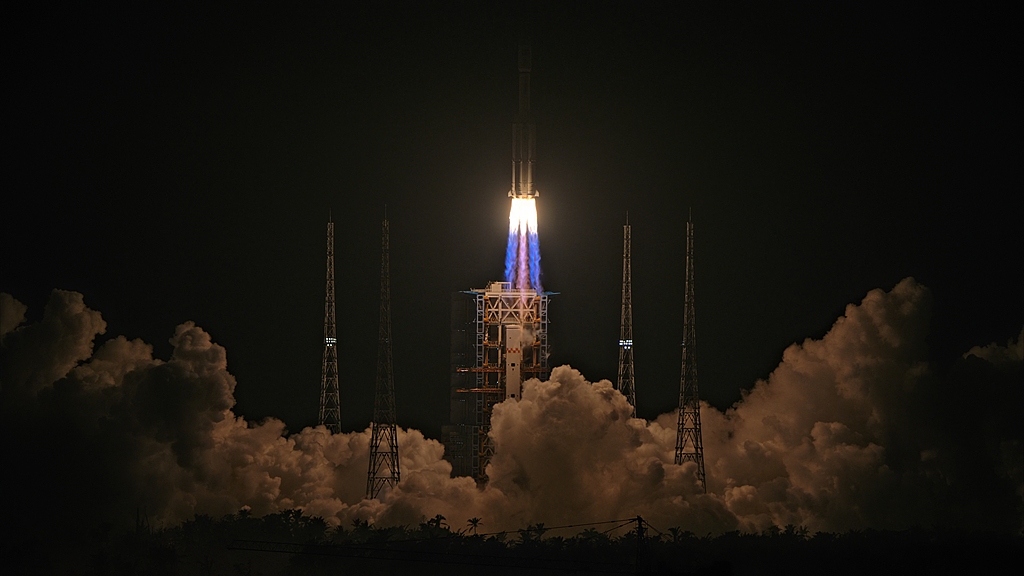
[522, 257]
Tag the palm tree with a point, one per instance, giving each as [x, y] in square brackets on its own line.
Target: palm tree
[532, 532]
[437, 522]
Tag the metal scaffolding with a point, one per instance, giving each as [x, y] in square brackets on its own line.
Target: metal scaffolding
[384, 465]
[509, 346]
[689, 446]
[330, 397]
[626, 383]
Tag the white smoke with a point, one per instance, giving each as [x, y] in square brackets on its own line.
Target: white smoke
[1012, 353]
[850, 431]
[12, 313]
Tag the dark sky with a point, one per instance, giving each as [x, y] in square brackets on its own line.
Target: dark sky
[179, 163]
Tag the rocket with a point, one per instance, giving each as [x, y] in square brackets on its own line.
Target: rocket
[523, 134]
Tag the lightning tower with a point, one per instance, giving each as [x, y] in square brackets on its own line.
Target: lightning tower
[689, 446]
[330, 398]
[626, 384]
[383, 469]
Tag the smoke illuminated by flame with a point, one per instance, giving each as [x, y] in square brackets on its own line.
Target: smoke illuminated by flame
[849, 432]
[522, 257]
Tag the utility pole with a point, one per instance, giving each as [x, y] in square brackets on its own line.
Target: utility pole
[384, 436]
[330, 397]
[642, 564]
[689, 446]
[626, 384]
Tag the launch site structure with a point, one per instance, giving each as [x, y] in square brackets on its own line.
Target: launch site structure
[626, 383]
[500, 332]
[499, 340]
[689, 445]
[384, 466]
[330, 397]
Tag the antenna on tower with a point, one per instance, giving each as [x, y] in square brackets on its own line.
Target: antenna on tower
[626, 384]
[689, 446]
[330, 398]
[384, 436]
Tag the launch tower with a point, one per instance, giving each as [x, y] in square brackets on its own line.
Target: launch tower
[626, 384]
[689, 446]
[384, 470]
[500, 332]
[499, 340]
[330, 398]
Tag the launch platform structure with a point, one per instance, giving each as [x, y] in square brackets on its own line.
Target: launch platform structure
[384, 466]
[330, 397]
[626, 383]
[689, 445]
[507, 331]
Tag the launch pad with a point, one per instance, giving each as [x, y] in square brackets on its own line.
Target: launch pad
[499, 340]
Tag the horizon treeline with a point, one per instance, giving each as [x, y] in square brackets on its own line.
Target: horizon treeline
[289, 543]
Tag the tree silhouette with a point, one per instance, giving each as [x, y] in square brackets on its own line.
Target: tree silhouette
[238, 544]
[437, 522]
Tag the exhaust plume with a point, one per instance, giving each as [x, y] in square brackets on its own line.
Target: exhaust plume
[522, 257]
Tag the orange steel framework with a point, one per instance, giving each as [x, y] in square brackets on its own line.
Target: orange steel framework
[511, 345]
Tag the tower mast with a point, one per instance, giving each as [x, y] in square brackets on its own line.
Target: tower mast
[384, 436]
[330, 398]
[626, 384]
[689, 446]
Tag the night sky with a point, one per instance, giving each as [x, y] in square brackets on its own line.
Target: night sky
[180, 163]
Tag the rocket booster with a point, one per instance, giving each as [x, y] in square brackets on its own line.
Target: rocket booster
[523, 134]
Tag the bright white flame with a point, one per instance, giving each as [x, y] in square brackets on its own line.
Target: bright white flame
[522, 217]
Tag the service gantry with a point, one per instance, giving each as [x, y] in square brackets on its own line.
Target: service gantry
[689, 446]
[499, 340]
[330, 397]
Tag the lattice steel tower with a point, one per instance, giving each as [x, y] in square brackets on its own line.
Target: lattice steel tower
[689, 446]
[384, 437]
[330, 398]
[626, 383]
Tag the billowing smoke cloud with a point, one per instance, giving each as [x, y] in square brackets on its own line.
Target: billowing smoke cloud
[851, 431]
[855, 431]
[997, 355]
